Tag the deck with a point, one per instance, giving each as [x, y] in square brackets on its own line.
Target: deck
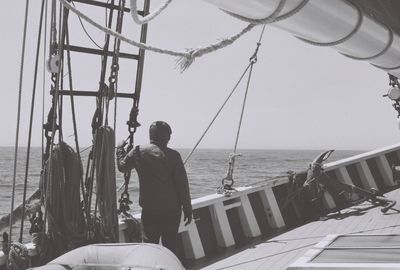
[280, 251]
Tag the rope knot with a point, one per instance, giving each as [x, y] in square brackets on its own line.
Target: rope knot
[184, 61]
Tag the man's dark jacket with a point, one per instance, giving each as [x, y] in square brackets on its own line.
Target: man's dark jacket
[162, 177]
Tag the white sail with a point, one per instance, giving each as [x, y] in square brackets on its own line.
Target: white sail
[336, 23]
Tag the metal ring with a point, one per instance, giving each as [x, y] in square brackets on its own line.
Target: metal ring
[355, 30]
[388, 45]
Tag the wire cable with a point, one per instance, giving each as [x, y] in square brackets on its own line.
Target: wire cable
[21, 77]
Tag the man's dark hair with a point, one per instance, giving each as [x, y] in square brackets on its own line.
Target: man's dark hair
[160, 133]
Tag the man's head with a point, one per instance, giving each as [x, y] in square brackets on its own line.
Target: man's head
[160, 133]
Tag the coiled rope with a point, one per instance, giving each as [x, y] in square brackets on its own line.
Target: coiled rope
[105, 184]
[18, 257]
[187, 57]
[149, 17]
[66, 224]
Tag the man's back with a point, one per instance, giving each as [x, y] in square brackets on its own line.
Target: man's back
[157, 171]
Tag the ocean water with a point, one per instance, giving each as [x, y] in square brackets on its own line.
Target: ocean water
[206, 168]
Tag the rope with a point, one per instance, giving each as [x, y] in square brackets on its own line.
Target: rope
[44, 77]
[18, 257]
[149, 17]
[74, 120]
[227, 182]
[87, 33]
[21, 76]
[31, 120]
[66, 224]
[217, 114]
[53, 110]
[113, 79]
[185, 59]
[254, 56]
[97, 118]
[105, 184]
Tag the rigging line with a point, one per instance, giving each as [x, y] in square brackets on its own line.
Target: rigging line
[254, 56]
[53, 123]
[53, 32]
[115, 62]
[72, 101]
[91, 173]
[61, 39]
[86, 32]
[243, 108]
[21, 76]
[217, 114]
[44, 76]
[28, 153]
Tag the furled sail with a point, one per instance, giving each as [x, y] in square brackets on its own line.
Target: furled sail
[361, 29]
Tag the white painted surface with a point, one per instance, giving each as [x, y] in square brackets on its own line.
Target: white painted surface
[271, 207]
[385, 170]
[324, 22]
[221, 225]
[366, 176]
[192, 245]
[247, 218]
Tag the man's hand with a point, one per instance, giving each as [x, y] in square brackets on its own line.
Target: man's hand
[187, 216]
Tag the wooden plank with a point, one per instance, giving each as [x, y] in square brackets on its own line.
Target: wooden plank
[221, 225]
[271, 207]
[385, 170]
[366, 175]
[247, 218]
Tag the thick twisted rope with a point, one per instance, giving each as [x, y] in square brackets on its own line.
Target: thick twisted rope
[187, 57]
[151, 16]
[105, 184]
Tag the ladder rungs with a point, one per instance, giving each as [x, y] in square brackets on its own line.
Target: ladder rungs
[102, 4]
[99, 52]
[88, 93]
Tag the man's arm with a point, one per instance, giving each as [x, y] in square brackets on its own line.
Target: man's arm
[125, 161]
[183, 189]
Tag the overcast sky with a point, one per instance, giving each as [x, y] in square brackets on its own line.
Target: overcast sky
[301, 97]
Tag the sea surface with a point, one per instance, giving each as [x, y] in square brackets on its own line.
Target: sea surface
[206, 168]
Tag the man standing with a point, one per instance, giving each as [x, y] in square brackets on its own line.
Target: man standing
[163, 185]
